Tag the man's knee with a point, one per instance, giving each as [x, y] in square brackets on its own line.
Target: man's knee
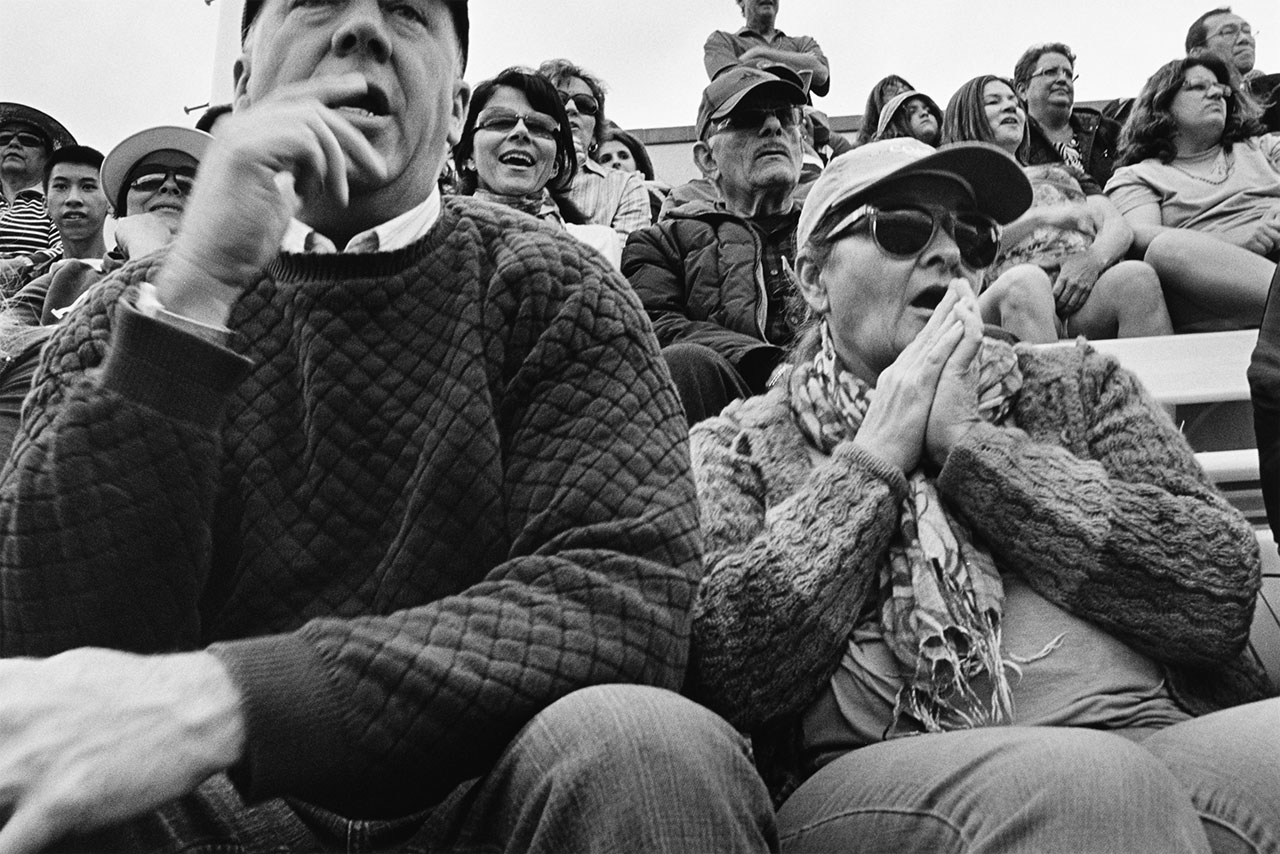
[608, 724]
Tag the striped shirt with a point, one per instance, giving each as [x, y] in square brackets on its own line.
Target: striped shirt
[609, 197]
[25, 227]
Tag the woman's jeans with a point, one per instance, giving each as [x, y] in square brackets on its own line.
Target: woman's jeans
[609, 768]
[1207, 784]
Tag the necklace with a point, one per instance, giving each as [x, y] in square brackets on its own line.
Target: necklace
[1219, 172]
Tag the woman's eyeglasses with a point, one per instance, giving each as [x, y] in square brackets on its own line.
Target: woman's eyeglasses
[538, 125]
[29, 140]
[1207, 89]
[151, 182]
[1058, 73]
[586, 104]
[906, 232]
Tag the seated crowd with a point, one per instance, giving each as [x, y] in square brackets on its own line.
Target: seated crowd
[411, 468]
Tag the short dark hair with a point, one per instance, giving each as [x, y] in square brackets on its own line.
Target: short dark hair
[1148, 133]
[560, 70]
[1198, 33]
[544, 98]
[1026, 63]
[210, 117]
[81, 154]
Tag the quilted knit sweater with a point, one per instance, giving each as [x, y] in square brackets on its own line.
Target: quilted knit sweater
[1093, 497]
[420, 496]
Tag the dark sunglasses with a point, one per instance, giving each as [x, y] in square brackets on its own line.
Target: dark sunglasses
[586, 104]
[753, 118]
[499, 120]
[906, 232]
[151, 182]
[29, 140]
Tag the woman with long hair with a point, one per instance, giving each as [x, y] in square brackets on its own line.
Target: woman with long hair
[1067, 245]
[881, 93]
[1199, 183]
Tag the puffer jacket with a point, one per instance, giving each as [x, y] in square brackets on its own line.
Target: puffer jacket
[700, 276]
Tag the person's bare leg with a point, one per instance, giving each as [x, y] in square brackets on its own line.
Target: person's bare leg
[1126, 302]
[1209, 283]
[1021, 301]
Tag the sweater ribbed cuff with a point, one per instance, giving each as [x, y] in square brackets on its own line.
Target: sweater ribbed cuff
[293, 718]
[169, 370]
[986, 447]
[878, 465]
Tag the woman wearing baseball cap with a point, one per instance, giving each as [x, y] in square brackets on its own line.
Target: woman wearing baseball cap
[1008, 553]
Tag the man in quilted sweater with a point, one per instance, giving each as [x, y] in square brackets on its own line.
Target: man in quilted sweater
[359, 519]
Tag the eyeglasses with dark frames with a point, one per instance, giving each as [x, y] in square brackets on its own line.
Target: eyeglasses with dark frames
[500, 120]
[585, 104]
[754, 118]
[151, 182]
[29, 140]
[905, 232]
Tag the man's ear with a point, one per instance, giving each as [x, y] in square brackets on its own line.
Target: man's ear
[809, 279]
[705, 159]
[458, 112]
[240, 76]
[1020, 89]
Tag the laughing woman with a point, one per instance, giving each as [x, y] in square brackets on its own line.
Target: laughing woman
[517, 150]
[1007, 553]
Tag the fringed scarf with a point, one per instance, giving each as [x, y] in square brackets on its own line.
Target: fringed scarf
[539, 204]
[941, 596]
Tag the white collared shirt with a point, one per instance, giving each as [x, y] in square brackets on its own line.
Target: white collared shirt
[393, 234]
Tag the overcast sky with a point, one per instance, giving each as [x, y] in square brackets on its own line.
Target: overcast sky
[106, 68]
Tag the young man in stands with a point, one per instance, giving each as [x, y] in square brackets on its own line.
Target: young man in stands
[75, 200]
[1231, 37]
[78, 207]
[399, 532]
[761, 44]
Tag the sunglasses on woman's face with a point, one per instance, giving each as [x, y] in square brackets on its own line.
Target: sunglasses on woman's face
[904, 233]
[151, 182]
[499, 120]
[586, 104]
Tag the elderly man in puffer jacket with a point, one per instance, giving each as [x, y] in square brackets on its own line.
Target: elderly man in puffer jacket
[715, 278]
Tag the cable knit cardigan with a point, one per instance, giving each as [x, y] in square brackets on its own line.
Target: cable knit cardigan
[1094, 497]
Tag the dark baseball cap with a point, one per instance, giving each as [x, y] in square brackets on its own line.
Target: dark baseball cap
[724, 93]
